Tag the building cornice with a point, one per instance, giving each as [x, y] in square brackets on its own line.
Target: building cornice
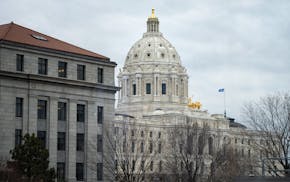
[56, 80]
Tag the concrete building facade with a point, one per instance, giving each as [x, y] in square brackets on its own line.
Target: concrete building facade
[61, 93]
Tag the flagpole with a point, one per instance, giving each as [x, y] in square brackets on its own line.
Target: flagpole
[225, 112]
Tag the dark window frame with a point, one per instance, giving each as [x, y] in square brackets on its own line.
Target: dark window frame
[81, 109]
[142, 147]
[42, 66]
[80, 171]
[18, 137]
[134, 89]
[81, 72]
[42, 109]
[100, 115]
[151, 147]
[133, 146]
[99, 171]
[148, 88]
[62, 111]
[100, 75]
[159, 147]
[60, 171]
[19, 62]
[61, 141]
[80, 142]
[19, 107]
[163, 88]
[62, 69]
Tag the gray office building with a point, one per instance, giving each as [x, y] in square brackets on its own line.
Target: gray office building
[62, 93]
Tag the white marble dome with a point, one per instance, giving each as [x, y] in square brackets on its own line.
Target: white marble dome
[153, 76]
[152, 48]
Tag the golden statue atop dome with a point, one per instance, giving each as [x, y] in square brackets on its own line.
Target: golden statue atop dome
[193, 105]
[153, 13]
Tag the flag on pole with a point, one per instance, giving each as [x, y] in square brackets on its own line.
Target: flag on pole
[221, 90]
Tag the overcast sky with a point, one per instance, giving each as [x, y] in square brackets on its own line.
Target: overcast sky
[240, 45]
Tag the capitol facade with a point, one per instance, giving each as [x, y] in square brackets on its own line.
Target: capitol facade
[161, 135]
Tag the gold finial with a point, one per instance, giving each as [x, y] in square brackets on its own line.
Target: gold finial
[153, 13]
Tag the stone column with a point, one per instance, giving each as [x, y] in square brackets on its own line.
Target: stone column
[32, 114]
[119, 92]
[71, 141]
[156, 88]
[91, 132]
[139, 85]
[52, 132]
[125, 86]
[186, 87]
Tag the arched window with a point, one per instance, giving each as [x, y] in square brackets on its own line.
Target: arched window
[210, 146]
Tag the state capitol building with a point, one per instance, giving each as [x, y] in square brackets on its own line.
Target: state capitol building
[66, 96]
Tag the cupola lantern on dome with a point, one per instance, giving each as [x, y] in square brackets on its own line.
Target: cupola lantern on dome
[152, 23]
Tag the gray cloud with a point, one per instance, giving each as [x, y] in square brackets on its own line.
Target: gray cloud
[241, 45]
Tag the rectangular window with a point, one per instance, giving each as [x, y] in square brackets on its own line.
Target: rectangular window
[41, 109]
[151, 165]
[81, 69]
[163, 88]
[62, 69]
[42, 66]
[60, 140]
[160, 166]
[159, 134]
[60, 171]
[80, 113]
[61, 111]
[133, 147]
[80, 171]
[19, 62]
[99, 143]
[41, 135]
[100, 75]
[18, 137]
[134, 89]
[99, 171]
[148, 88]
[151, 134]
[159, 148]
[100, 114]
[151, 147]
[80, 142]
[19, 107]
[124, 146]
[142, 147]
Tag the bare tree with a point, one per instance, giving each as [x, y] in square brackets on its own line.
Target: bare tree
[270, 116]
[185, 159]
[227, 164]
[129, 151]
